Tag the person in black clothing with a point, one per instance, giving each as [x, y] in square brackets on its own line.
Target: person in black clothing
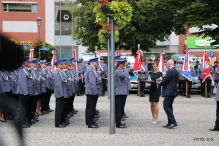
[150, 67]
[215, 65]
[196, 66]
[154, 93]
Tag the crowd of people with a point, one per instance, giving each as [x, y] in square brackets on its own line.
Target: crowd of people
[30, 87]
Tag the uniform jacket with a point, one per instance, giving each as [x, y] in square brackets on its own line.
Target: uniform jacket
[12, 77]
[169, 83]
[122, 85]
[26, 81]
[93, 82]
[36, 76]
[65, 86]
[69, 82]
[51, 80]
[72, 81]
[179, 69]
[59, 81]
[103, 73]
[4, 82]
[75, 80]
[43, 81]
[142, 75]
[217, 94]
[81, 70]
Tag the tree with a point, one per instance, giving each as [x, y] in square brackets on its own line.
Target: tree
[151, 21]
[44, 54]
[197, 13]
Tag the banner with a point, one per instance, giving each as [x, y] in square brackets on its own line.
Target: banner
[137, 64]
[162, 68]
[74, 54]
[96, 54]
[206, 67]
[53, 60]
[31, 55]
[186, 72]
[118, 53]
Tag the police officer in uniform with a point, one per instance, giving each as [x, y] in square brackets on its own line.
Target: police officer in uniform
[189, 83]
[196, 67]
[122, 90]
[216, 74]
[93, 91]
[182, 79]
[165, 61]
[37, 90]
[81, 71]
[50, 85]
[143, 76]
[60, 88]
[25, 89]
[103, 74]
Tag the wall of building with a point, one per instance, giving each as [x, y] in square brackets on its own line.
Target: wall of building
[22, 26]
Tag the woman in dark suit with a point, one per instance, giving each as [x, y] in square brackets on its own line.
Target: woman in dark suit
[154, 93]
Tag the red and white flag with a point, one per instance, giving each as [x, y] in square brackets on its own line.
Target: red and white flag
[53, 60]
[31, 55]
[206, 68]
[96, 54]
[186, 66]
[137, 64]
[162, 68]
[74, 53]
[118, 53]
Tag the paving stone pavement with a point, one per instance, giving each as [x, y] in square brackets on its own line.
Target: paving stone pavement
[194, 117]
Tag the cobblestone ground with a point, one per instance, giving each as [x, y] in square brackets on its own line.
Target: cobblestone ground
[194, 116]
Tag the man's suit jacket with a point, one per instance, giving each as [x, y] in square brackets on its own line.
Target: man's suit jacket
[169, 83]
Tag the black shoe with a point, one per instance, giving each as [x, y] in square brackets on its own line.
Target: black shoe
[121, 126]
[97, 116]
[175, 125]
[171, 126]
[61, 126]
[95, 119]
[93, 126]
[165, 126]
[25, 126]
[209, 95]
[124, 116]
[124, 124]
[78, 94]
[188, 96]
[69, 116]
[75, 110]
[203, 95]
[123, 119]
[33, 121]
[49, 110]
[214, 129]
[9, 118]
[45, 112]
[3, 121]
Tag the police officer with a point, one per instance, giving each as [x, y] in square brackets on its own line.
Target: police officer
[196, 67]
[103, 73]
[60, 88]
[76, 79]
[182, 79]
[143, 76]
[165, 61]
[81, 71]
[93, 91]
[37, 89]
[150, 66]
[200, 76]
[44, 84]
[25, 89]
[216, 74]
[122, 90]
[189, 82]
[50, 85]
[5, 89]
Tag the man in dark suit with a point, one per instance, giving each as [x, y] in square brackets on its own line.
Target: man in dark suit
[170, 91]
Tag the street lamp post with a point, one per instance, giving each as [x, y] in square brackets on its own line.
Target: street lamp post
[39, 21]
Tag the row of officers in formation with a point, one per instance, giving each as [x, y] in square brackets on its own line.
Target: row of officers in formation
[29, 88]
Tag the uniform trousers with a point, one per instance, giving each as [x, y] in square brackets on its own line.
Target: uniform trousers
[33, 106]
[104, 85]
[44, 101]
[81, 86]
[189, 87]
[66, 106]
[90, 109]
[168, 107]
[71, 101]
[142, 86]
[59, 111]
[208, 86]
[182, 88]
[217, 115]
[120, 105]
[49, 94]
[24, 109]
[12, 103]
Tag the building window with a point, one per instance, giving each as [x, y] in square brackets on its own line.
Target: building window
[19, 7]
[57, 26]
[66, 27]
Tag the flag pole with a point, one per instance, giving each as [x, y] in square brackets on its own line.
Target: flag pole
[186, 88]
[206, 78]
[139, 73]
[161, 88]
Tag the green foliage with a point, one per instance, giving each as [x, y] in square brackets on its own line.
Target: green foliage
[102, 38]
[151, 21]
[122, 12]
[44, 54]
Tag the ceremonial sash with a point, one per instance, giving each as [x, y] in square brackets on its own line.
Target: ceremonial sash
[143, 69]
[101, 68]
